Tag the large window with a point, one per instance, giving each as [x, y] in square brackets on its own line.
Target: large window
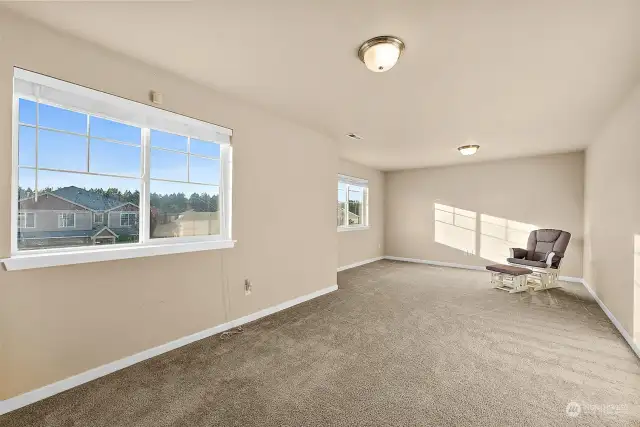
[101, 169]
[353, 203]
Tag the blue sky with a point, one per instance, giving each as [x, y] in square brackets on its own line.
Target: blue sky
[354, 195]
[68, 152]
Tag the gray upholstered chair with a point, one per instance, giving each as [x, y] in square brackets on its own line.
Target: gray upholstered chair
[544, 253]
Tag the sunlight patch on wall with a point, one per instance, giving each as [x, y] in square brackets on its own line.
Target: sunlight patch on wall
[455, 227]
[497, 235]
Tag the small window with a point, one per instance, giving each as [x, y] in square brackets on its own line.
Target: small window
[26, 220]
[353, 202]
[98, 218]
[128, 219]
[66, 220]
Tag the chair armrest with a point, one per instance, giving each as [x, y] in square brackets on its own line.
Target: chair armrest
[553, 258]
[549, 259]
[518, 253]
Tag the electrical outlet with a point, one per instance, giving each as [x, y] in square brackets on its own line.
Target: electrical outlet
[247, 287]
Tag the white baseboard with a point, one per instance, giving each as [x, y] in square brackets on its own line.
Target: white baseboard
[92, 374]
[615, 321]
[466, 266]
[570, 279]
[604, 308]
[359, 263]
[438, 263]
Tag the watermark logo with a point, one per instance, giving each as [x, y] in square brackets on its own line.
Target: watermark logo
[573, 409]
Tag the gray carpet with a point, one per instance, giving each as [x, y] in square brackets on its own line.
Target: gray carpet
[397, 344]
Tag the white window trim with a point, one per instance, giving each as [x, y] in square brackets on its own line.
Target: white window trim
[344, 228]
[364, 184]
[83, 98]
[26, 215]
[30, 260]
[101, 217]
[63, 214]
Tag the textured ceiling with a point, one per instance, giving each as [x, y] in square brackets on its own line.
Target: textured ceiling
[519, 77]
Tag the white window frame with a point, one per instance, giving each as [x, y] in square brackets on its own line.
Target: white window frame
[58, 93]
[23, 218]
[96, 214]
[127, 215]
[63, 219]
[349, 181]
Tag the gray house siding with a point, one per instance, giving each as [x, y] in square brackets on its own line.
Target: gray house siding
[87, 229]
[48, 221]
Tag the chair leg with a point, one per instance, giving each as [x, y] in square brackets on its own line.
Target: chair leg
[548, 280]
[519, 284]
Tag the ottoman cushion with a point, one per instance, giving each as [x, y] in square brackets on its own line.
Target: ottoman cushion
[509, 269]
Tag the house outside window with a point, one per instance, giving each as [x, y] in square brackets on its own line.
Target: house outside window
[353, 203]
[66, 220]
[129, 173]
[26, 220]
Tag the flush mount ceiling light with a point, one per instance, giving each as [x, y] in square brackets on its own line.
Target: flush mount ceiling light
[381, 53]
[468, 150]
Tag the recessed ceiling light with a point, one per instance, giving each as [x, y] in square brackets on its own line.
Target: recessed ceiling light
[468, 150]
[354, 136]
[381, 53]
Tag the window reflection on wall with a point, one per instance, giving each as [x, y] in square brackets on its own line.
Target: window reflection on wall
[455, 227]
[497, 235]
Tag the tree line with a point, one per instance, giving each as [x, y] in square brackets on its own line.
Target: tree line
[166, 203]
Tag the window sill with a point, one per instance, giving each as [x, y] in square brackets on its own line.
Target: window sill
[355, 228]
[81, 256]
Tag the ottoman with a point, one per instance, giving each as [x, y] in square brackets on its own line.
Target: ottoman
[509, 277]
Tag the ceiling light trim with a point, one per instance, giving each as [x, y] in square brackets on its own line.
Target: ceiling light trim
[371, 43]
[469, 149]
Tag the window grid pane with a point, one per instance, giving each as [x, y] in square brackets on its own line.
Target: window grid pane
[69, 171]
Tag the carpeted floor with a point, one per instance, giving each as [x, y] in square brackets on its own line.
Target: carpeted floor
[397, 344]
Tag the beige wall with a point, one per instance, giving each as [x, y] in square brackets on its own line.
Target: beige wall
[61, 321]
[612, 212]
[361, 245]
[545, 191]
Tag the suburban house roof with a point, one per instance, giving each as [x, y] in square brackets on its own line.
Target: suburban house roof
[89, 199]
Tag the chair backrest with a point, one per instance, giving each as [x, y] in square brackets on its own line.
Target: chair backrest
[546, 240]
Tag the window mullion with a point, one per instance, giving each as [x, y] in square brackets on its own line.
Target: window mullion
[37, 149]
[88, 143]
[346, 207]
[365, 206]
[188, 159]
[145, 200]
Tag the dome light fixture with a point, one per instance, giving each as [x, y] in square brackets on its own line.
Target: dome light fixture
[381, 53]
[468, 150]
